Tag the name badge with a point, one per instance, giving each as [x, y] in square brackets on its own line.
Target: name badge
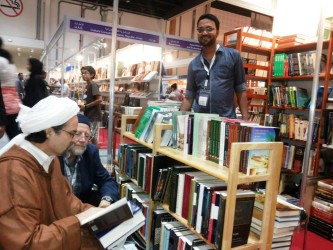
[203, 98]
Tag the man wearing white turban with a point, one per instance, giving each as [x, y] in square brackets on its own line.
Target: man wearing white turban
[37, 207]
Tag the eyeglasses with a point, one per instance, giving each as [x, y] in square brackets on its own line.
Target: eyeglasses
[71, 133]
[207, 29]
[78, 135]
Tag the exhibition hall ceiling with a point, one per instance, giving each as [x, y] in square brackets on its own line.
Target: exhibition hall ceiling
[163, 9]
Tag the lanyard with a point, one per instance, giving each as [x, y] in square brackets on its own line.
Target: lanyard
[210, 65]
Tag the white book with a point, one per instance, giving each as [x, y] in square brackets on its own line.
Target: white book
[150, 135]
[222, 143]
[199, 217]
[180, 193]
[94, 215]
[200, 132]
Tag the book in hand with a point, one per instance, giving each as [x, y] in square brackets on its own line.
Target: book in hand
[113, 224]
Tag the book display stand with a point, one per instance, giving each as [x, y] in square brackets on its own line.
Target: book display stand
[231, 175]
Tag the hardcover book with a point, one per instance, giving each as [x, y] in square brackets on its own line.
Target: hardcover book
[257, 160]
[159, 215]
[193, 200]
[242, 220]
[326, 183]
[188, 176]
[174, 185]
[159, 162]
[144, 121]
[113, 224]
[200, 131]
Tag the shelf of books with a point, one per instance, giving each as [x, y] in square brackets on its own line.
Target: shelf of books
[180, 183]
[321, 212]
[255, 46]
[289, 93]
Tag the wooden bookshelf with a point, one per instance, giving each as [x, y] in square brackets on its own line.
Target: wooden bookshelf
[230, 175]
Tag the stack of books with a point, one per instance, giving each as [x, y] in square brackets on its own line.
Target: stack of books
[292, 40]
[321, 213]
[287, 217]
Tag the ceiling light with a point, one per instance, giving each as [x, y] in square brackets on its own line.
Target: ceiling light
[79, 58]
[9, 40]
[18, 49]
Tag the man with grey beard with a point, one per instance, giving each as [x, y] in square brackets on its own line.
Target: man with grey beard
[82, 167]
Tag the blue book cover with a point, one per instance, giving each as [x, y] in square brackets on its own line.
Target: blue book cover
[257, 161]
[320, 94]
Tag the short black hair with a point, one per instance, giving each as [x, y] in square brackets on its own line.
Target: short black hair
[90, 69]
[174, 86]
[210, 17]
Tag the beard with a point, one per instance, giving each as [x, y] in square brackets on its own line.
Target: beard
[74, 150]
[207, 40]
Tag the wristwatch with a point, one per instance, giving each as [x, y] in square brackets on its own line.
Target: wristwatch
[85, 106]
[107, 198]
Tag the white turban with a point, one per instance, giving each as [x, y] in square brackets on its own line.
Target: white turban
[49, 112]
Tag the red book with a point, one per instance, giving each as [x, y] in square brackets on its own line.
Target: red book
[321, 214]
[211, 219]
[148, 173]
[187, 187]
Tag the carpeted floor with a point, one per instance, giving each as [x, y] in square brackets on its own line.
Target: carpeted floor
[313, 242]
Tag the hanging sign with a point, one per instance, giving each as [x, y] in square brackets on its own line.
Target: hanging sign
[11, 8]
[185, 44]
[123, 33]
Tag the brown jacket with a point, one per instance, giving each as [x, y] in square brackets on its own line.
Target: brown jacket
[37, 208]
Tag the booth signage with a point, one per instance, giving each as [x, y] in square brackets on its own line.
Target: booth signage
[107, 30]
[178, 43]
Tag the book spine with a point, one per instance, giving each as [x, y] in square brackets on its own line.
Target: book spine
[186, 197]
[323, 215]
[173, 191]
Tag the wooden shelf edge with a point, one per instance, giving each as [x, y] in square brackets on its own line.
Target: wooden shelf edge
[131, 136]
[253, 240]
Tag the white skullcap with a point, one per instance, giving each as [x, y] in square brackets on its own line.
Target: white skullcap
[49, 112]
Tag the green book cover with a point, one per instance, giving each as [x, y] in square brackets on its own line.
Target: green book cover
[200, 133]
[143, 124]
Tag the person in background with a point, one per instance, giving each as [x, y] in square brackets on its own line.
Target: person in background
[20, 85]
[82, 166]
[65, 89]
[175, 94]
[215, 75]
[37, 207]
[10, 95]
[93, 99]
[35, 88]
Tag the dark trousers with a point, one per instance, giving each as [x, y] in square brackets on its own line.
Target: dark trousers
[12, 128]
